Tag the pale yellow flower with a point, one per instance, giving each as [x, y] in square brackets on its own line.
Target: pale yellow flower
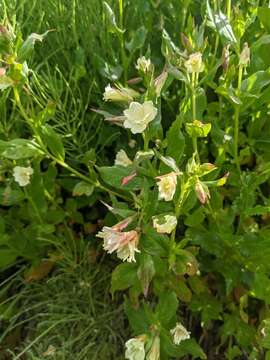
[135, 349]
[167, 186]
[194, 63]
[143, 64]
[138, 116]
[179, 333]
[122, 159]
[119, 94]
[22, 175]
[164, 224]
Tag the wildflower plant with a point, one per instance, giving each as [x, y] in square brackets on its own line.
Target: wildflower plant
[187, 195]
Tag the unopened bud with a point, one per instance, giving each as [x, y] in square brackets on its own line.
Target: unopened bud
[186, 43]
[244, 58]
[202, 192]
[226, 57]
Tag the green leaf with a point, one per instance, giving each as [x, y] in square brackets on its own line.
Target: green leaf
[113, 175]
[53, 141]
[256, 82]
[9, 196]
[153, 243]
[176, 141]
[137, 318]
[198, 129]
[112, 25]
[264, 16]
[209, 307]
[18, 149]
[138, 39]
[7, 257]
[167, 307]
[186, 347]
[36, 192]
[261, 287]
[124, 276]
[196, 218]
[264, 333]
[83, 188]
[5, 82]
[221, 24]
[146, 272]
[169, 50]
[185, 263]
[28, 45]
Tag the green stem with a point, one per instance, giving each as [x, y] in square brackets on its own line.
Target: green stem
[29, 198]
[236, 121]
[229, 5]
[194, 82]
[122, 40]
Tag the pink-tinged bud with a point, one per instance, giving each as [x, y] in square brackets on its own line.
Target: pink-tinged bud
[134, 81]
[128, 178]
[186, 43]
[226, 57]
[202, 192]
[2, 71]
[122, 225]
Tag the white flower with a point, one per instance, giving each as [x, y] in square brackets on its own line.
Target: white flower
[138, 116]
[179, 333]
[22, 175]
[143, 64]
[164, 224]
[194, 63]
[124, 243]
[167, 186]
[135, 349]
[122, 159]
[227, 138]
[119, 94]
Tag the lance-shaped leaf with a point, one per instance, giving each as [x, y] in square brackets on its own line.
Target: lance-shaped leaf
[112, 24]
[146, 272]
[29, 44]
[221, 24]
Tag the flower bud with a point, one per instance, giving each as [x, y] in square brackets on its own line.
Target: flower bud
[226, 57]
[202, 192]
[186, 43]
[154, 352]
[119, 94]
[244, 58]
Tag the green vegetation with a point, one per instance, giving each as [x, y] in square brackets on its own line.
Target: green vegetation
[134, 179]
